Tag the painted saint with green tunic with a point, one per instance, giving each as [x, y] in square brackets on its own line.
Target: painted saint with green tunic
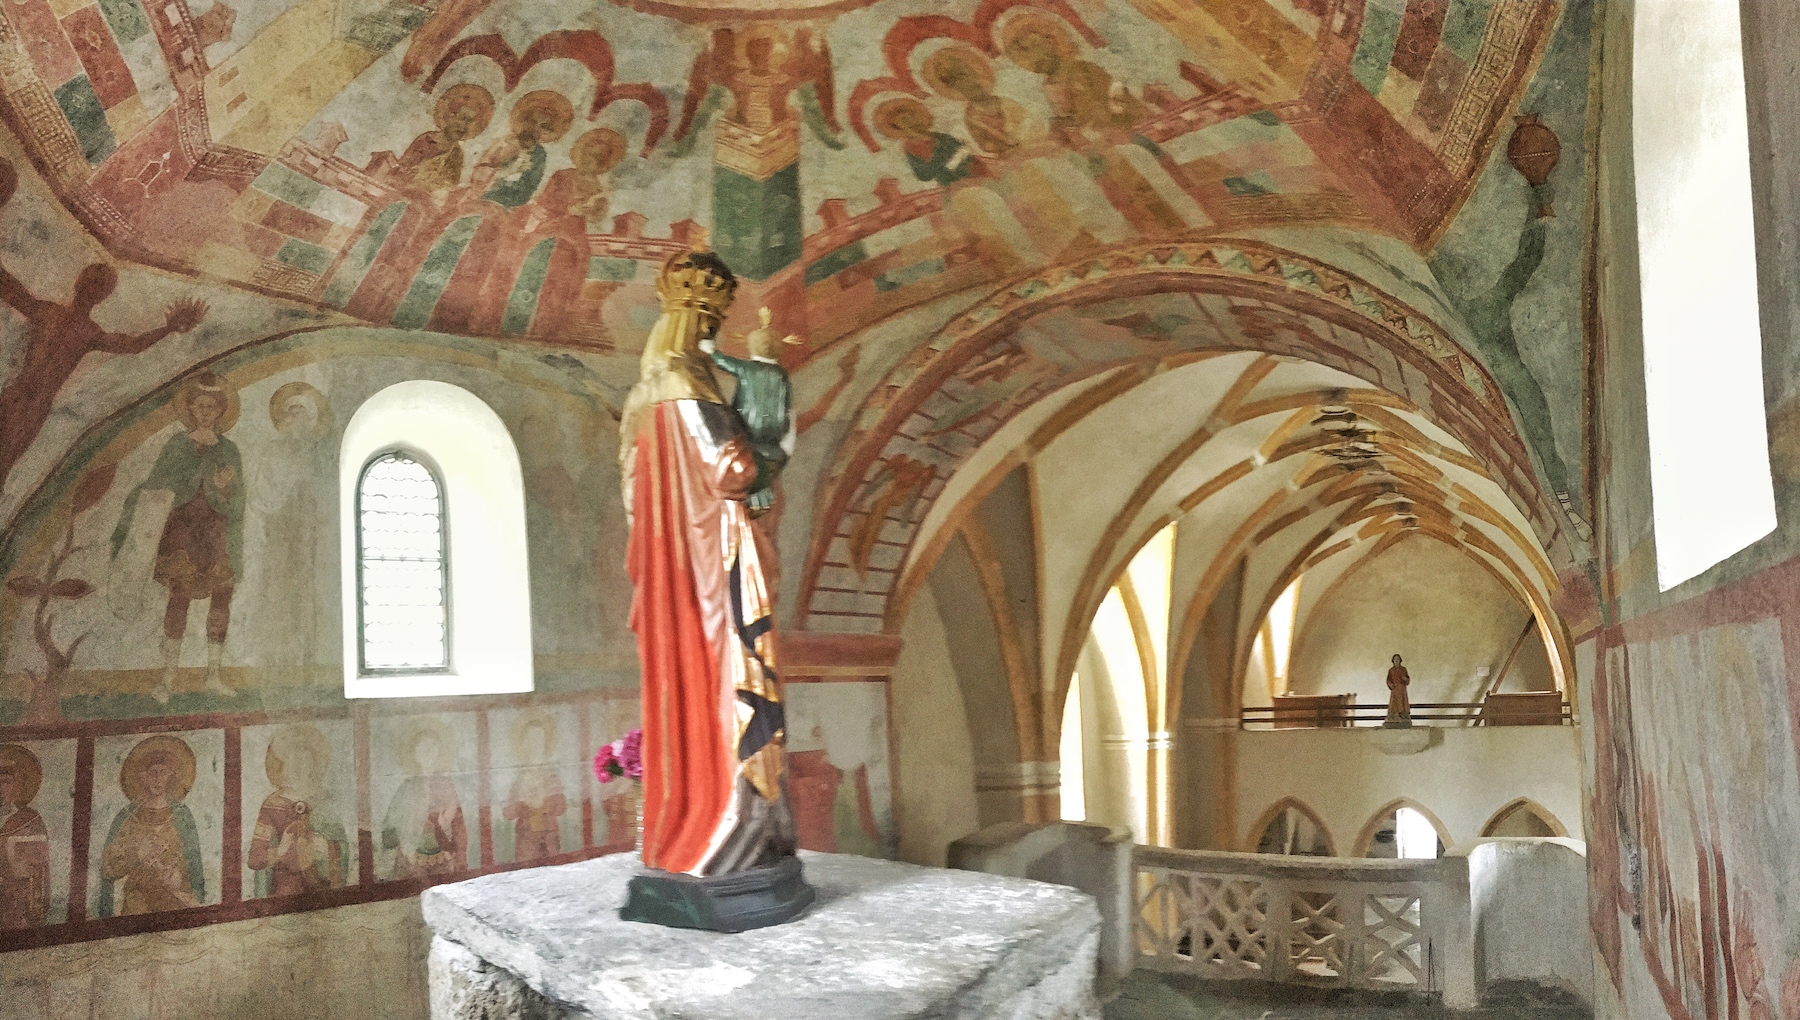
[200, 555]
[765, 402]
[151, 859]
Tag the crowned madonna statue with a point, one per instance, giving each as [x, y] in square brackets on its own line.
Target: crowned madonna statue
[718, 836]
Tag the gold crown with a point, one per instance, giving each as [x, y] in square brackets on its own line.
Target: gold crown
[696, 279]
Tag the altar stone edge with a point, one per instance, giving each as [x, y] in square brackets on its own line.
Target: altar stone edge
[885, 941]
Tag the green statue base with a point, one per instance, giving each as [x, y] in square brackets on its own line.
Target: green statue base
[758, 898]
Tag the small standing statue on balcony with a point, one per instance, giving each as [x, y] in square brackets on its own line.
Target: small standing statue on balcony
[718, 837]
[1399, 713]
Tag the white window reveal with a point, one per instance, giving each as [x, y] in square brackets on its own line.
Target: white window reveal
[437, 593]
[1709, 458]
[405, 623]
[1415, 838]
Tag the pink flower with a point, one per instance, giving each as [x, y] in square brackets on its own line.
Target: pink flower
[606, 764]
[631, 754]
[622, 757]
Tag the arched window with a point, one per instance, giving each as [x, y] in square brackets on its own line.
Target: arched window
[1405, 830]
[437, 597]
[403, 582]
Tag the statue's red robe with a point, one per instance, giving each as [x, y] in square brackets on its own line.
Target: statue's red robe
[713, 727]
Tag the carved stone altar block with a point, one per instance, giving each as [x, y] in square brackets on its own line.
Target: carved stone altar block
[884, 941]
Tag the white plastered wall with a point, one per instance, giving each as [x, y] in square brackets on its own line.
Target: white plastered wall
[935, 760]
[1462, 778]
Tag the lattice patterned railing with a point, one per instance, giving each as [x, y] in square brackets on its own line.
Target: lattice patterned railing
[1327, 921]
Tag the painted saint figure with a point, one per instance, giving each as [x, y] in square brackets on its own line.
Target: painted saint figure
[582, 189]
[538, 250]
[1086, 103]
[1399, 711]
[24, 842]
[510, 171]
[935, 157]
[58, 336]
[201, 552]
[714, 791]
[994, 122]
[424, 831]
[433, 163]
[536, 802]
[296, 847]
[151, 859]
[764, 402]
[1093, 113]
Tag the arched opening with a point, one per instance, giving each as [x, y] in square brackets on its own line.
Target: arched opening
[1290, 827]
[1173, 580]
[1403, 830]
[1524, 817]
[1118, 790]
[413, 441]
[1073, 773]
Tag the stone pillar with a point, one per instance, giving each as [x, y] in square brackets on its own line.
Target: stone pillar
[1028, 791]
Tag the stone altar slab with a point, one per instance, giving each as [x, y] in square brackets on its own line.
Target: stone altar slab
[884, 941]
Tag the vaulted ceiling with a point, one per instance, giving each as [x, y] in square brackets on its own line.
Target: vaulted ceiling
[1266, 462]
[922, 184]
[494, 168]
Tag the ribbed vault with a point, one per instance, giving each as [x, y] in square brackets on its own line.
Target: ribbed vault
[1270, 466]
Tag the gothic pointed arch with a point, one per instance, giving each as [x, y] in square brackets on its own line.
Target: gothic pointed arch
[1258, 832]
[1524, 808]
[1366, 837]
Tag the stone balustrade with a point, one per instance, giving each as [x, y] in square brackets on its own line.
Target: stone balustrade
[1330, 921]
[1492, 912]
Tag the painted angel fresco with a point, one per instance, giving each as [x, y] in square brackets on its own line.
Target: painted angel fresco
[750, 74]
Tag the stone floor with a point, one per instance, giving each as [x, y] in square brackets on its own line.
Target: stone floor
[1147, 995]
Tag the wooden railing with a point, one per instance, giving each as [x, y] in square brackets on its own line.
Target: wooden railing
[1341, 712]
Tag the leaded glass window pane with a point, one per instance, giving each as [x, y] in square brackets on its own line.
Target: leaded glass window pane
[405, 619]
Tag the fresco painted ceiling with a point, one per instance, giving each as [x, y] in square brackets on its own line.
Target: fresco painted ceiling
[498, 168]
[891, 176]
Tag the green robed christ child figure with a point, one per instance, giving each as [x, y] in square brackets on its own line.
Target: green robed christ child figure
[765, 401]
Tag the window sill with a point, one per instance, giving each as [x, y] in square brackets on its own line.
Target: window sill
[434, 685]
